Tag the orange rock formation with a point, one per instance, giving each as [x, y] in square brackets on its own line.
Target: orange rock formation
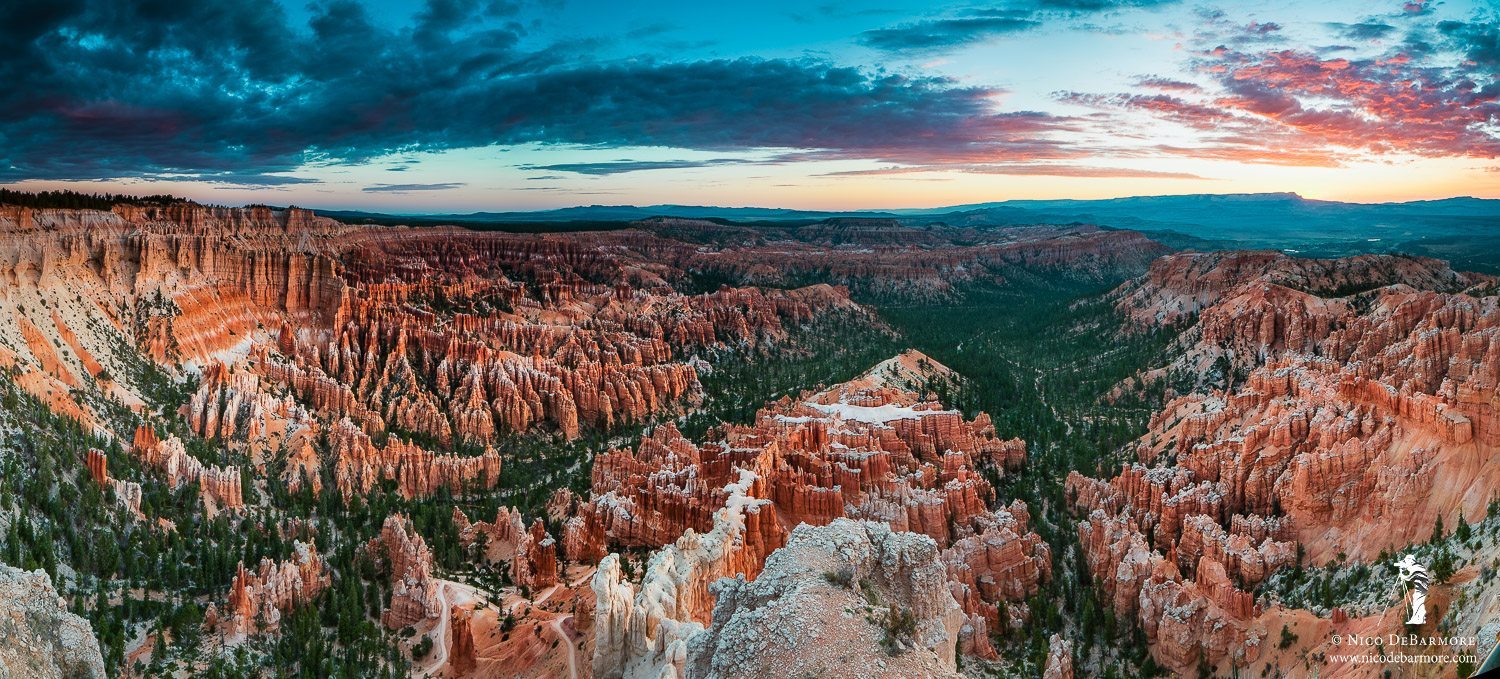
[127, 493]
[409, 562]
[220, 486]
[531, 553]
[258, 599]
[1369, 408]
[863, 450]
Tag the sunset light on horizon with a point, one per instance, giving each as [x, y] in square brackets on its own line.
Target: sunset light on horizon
[463, 105]
[867, 339]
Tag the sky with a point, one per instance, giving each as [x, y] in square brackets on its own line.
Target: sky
[488, 105]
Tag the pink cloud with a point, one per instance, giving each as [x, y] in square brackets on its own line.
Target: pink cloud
[1390, 105]
[1297, 107]
[1023, 169]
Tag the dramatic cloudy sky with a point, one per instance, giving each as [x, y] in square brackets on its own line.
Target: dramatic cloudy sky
[461, 105]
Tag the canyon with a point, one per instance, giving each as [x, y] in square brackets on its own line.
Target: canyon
[42, 639]
[491, 453]
[296, 323]
[1360, 411]
[869, 450]
[258, 598]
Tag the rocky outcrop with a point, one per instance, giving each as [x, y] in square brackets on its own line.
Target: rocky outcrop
[258, 599]
[220, 486]
[1059, 659]
[650, 632]
[863, 449]
[648, 627]
[866, 449]
[1005, 562]
[1360, 408]
[414, 595]
[461, 659]
[1185, 619]
[462, 337]
[97, 464]
[831, 628]
[232, 404]
[128, 496]
[127, 493]
[1393, 415]
[209, 274]
[41, 638]
[485, 376]
[583, 536]
[530, 552]
[360, 465]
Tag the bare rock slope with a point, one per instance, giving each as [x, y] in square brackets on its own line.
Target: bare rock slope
[38, 639]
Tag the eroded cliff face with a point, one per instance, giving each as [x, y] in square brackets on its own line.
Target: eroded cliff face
[40, 637]
[127, 493]
[1361, 409]
[867, 450]
[408, 561]
[832, 629]
[1180, 286]
[1059, 659]
[86, 290]
[303, 329]
[530, 552]
[258, 598]
[888, 259]
[220, 488]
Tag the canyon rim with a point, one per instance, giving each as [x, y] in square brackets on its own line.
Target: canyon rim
[472, 338]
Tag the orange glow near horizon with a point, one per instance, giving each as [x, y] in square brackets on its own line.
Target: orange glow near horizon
[778, 187]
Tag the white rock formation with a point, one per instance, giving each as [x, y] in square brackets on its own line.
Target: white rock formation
[1059, 659]
[39, 638]
[644, 633]
[800, 619]
[828, 604]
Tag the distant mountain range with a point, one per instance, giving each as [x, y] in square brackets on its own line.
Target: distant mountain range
[1465, 230]
[626, 213]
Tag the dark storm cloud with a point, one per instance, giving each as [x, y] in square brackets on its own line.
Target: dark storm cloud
[978, 25]
[408, 188]
[1368, 30]
[241, 179]
[1480, 42]
[100, 89]
[933, 34]
[1098, 5]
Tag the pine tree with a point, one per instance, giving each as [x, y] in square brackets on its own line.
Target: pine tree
[159, 651]
[1442, 566]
